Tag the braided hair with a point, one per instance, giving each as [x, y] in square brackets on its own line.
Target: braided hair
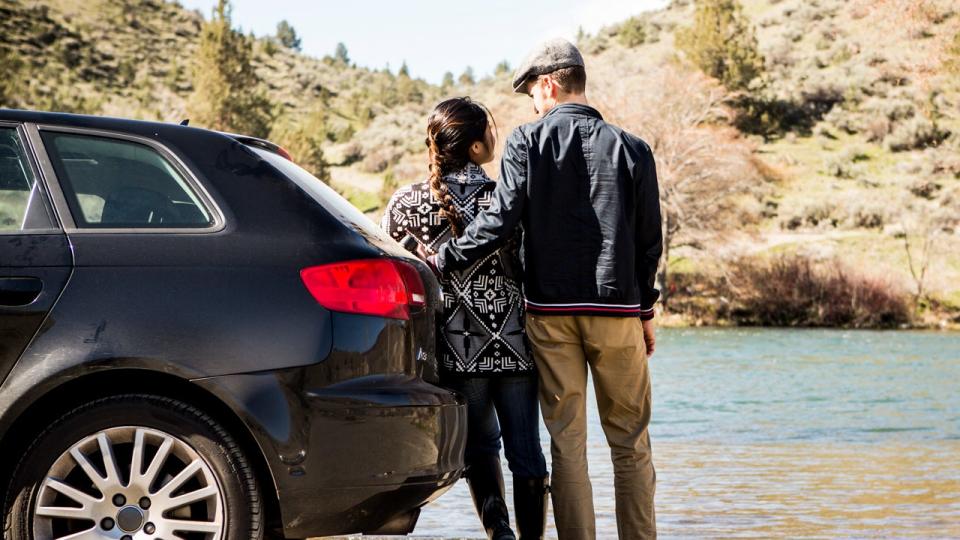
[453, 126]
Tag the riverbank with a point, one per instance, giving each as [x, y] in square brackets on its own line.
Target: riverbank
[797, 290]
[941, 323]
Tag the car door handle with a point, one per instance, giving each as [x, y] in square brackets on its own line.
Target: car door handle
[19, 291]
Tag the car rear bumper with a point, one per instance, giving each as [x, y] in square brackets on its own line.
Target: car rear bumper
[352, 456]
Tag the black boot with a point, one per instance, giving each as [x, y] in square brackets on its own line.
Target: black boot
[530, 506]
[486, 485]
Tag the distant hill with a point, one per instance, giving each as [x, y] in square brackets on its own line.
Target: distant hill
[133, 58]
[856, 150]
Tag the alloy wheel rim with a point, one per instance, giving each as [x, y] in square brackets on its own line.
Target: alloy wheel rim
[129, 483]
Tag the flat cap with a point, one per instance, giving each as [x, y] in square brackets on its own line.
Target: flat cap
[547, 57]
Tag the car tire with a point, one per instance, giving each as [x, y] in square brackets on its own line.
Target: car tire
[216, 496]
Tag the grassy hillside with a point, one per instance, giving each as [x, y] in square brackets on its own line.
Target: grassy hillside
[134, 58]
[864, 163]
[845, 153]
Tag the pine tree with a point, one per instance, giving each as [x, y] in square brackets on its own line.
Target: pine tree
[467, 78]
[287, 36]
[447, 80]
[226, 89]
[633, 32]
[340, 55]
[722, 43]
[503, 68]
[405, 87]
[303, 136]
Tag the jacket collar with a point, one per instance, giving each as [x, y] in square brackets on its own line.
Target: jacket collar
[471, 173]
[574, 108]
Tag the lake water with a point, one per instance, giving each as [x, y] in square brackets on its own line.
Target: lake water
[784, 433]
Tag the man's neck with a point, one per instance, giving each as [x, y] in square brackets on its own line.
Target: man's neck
[580, 99]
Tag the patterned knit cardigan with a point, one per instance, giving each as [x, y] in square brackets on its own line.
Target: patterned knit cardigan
[480, 326]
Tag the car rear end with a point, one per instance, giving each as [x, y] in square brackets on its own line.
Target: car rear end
[214, 284]
[364, 437]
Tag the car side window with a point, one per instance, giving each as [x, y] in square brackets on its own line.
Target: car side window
[115, 184]
[23, 206]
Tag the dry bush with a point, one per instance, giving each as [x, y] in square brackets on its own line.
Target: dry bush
[945, 159]
[701, 297]
[869, 215]
[703, 166]
[792, 290]
[380, 159]
[823, 214]
[916, 133]
[390, 136]
[948, 218]
[846, 163]
[925, 188]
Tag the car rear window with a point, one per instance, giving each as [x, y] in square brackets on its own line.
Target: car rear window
[332, 201]
[113, 183]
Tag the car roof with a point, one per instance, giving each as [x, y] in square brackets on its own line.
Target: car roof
[81, 120]
[128, 125]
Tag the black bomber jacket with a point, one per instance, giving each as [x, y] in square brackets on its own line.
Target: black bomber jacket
[585, 195]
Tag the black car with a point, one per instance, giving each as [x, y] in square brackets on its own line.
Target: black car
[199, 339]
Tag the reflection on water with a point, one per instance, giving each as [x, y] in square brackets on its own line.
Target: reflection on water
[761, 433]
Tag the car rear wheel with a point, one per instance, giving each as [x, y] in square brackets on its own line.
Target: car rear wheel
[134, 467]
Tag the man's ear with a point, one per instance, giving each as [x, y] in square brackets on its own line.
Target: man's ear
[550, 87]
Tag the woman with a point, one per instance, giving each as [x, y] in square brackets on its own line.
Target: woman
[481, 342]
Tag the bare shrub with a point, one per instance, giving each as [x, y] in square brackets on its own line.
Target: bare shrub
[869, 216]
[380, 159]
[702, 297]
[949, 205]
[352, 153]
[843, 120]
[925, 188]
[876, 128]
[945, 159]
[792, 290]
[846, 164]
[702, 164]
[388, 138]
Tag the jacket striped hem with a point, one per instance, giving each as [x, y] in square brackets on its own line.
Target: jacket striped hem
[586, 308]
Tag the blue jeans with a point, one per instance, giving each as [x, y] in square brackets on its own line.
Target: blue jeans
[510, 403]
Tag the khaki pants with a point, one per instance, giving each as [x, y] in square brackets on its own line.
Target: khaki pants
[613, 348]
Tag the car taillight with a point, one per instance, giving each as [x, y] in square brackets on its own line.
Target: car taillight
[383, 287]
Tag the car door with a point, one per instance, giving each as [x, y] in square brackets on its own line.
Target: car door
[35, 256]
[161, 277]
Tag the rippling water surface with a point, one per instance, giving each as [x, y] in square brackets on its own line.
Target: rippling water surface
[761, 433]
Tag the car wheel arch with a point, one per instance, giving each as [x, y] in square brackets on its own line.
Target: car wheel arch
[61, 399]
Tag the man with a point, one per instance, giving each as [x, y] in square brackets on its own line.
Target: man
[585, 194]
